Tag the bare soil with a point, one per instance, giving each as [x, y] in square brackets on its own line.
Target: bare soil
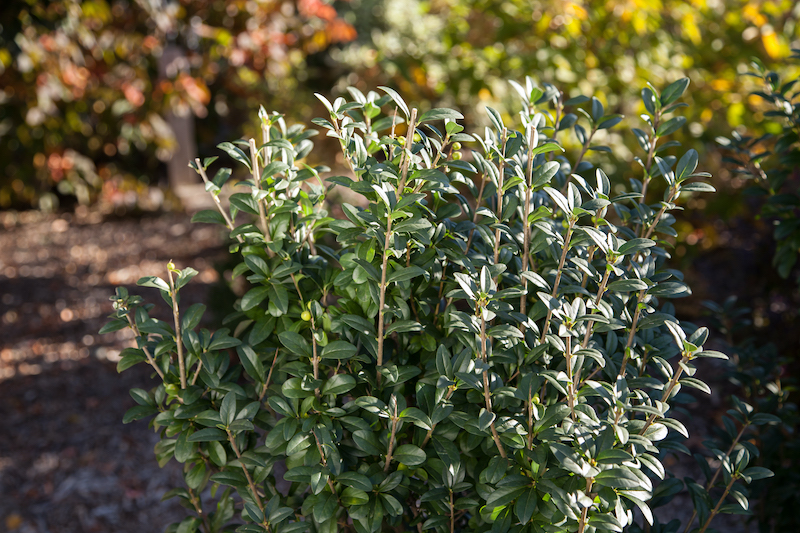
[67, 463]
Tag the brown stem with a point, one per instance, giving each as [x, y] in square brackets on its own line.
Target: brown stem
[262, 215]
[412, 126]
[199, 509]
[571, 386]
[177, 319]
[589, 259]
[526, 246]
[382, 302]
[228, 221]
[324, 460]
[500, 194]
[558, 278]
[269, 376]
[250, 482]
[197, 371]
[395, 419]
[631, 335]
[452, 514]
[719, 503]
[580, 158]
[670, 387]
[585, 512]
[597, 299]
[343, 146]
[150, 359]
[660, 214]
[441, 149]
[486, 393]
[529, 406]
[475, 213]
[710, 484]
[314, 356]
[652, 141]
[387, 240]
[428, 435]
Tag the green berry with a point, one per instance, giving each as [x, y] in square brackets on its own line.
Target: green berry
[305, 315]
[417, 138]
[456, 145]
[456, 156]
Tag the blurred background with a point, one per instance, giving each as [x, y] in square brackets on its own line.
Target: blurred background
[103, 102]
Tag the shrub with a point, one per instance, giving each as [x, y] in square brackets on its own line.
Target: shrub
[484, 344]
[773, 161]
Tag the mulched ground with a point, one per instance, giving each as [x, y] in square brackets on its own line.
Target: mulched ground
[67, 463]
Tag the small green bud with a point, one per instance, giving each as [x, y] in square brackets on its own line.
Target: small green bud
[456, 156]
[456, 145]
[417, 138]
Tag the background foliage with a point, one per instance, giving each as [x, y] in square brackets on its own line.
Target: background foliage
[83, 101]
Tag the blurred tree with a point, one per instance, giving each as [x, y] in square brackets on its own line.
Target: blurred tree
[82, 98]
[457, 50]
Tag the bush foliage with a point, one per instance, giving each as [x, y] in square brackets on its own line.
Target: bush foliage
[484, 343]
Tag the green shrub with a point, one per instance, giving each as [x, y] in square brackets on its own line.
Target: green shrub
[763, 377]
[772, 161]
[485, 343]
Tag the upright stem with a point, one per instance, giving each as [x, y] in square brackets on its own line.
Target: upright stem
[382, 302]
[670, 387]
[228, 221]
[269, 376]
[314, 357]
[429, 434]
[199, 509]
[395, 419]
[452, 514]
[262, 215]
[652, 141]
[632, 334]
[585, 512]
[580, 158]
[406, 160]
[526, 245]
[147, 354]
[500, 183]
[710, 484]
[486, 393]
[571, 385]
[475, 213]
[387, 239]
[530, 419]
[597, 298]
[589, 259]
[177, 319]
[250, 482]
[558, 278]
[660, 214]
[719, 503]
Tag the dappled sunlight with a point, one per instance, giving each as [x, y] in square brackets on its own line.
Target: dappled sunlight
[57, 273]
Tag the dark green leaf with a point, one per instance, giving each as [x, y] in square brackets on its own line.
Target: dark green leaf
[410, 455]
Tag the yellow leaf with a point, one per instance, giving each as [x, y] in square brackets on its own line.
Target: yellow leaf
[771, 44]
